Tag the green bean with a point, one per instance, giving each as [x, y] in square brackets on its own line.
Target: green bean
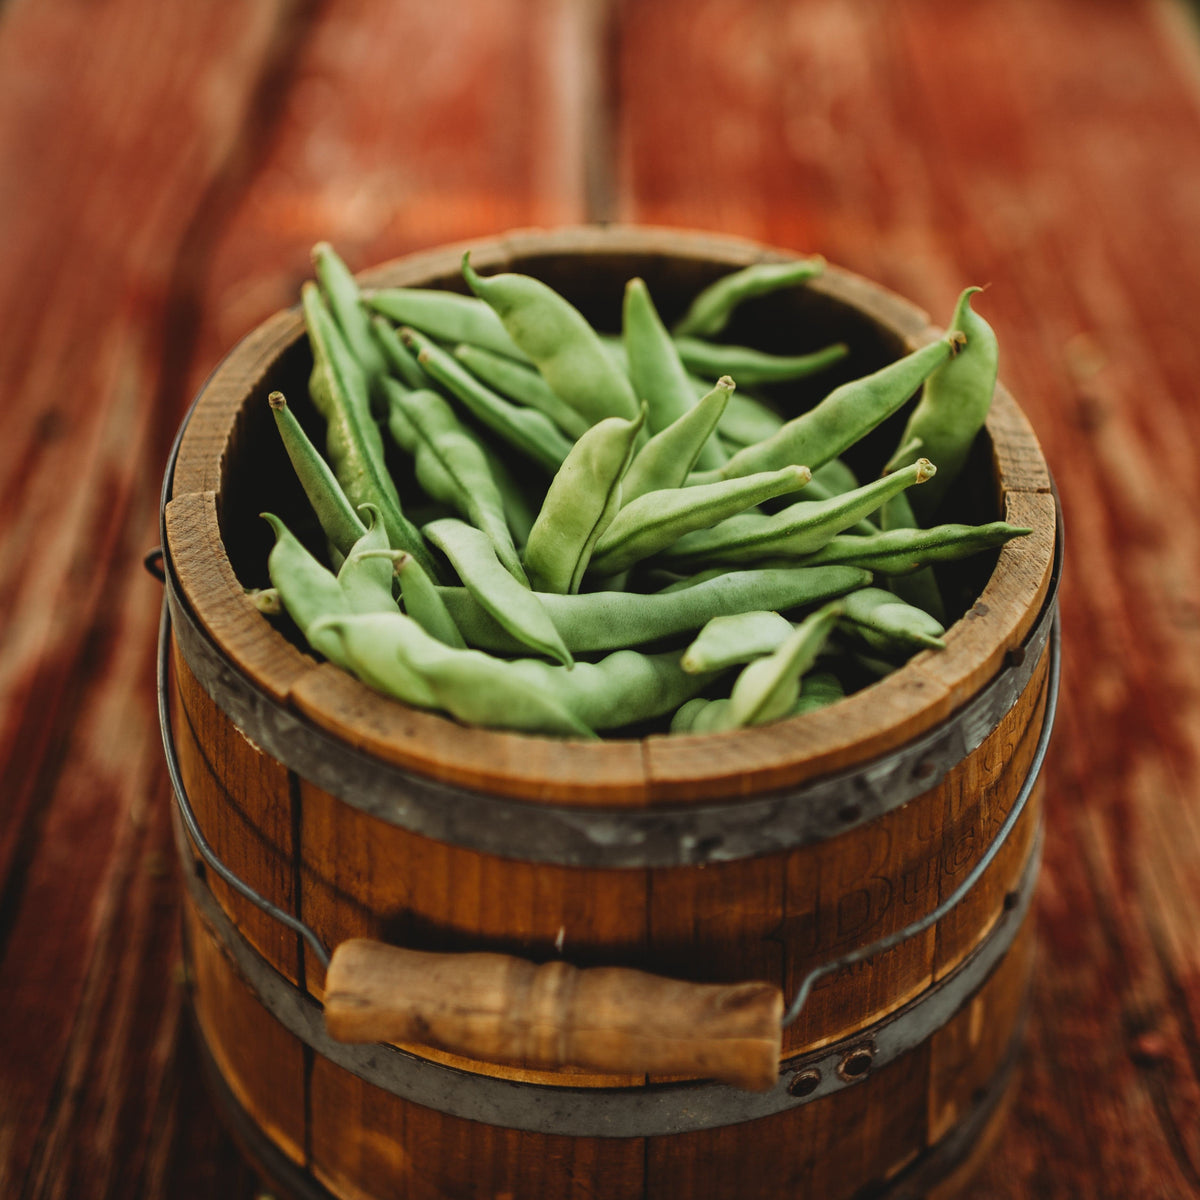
[797, 530]
[655, 370]
[463, 462]
[558, 338]
[738, 638]
[392, 653]
[889, 625]
[336, 515]
[511, 604]
[769, 687]
[836, 479]
[521, 384]
[710, 311]
[667, 458]
[420, 599]
[422, 602]
[308, 590]
[365, 577]
[345, 302]
[748, 366]
[900, 551]
[954, 404]
[401, 361]
[845, 415]
[519, 511]
[919, 587]
[431, 476]
[657, 520]
[686, 714]
[531, 432]
[354, 443]
[747, 419]
[594, 621]
[580, 503]
[818, 689]
[447, 316]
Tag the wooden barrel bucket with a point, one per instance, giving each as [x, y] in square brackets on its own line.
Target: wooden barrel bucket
[836, 841]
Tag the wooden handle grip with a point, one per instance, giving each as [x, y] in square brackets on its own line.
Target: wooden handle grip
[506, 1010]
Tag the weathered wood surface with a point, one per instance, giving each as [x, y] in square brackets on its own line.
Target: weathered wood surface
[163, 170]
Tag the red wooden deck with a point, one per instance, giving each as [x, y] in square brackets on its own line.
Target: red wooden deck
[164, 169]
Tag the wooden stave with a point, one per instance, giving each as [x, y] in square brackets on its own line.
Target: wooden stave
[352, 1140]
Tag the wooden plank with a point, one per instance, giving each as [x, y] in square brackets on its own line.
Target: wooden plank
[397, 135]
[89, 1095]
[1022, 144]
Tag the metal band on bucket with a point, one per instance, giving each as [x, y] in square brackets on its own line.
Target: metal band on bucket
[621, 1112]
[661, 836]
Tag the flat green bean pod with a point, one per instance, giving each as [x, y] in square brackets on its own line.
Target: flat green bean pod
[592, 621]
[580, 503]
[355, 446]
[520, 384]
[666, 460]
[525, 429]
[466, 466]
[394, 655]
[734, 640]
[400, 360]
[710, 311]
[848, 413]
[953, 406]
[447, 316]
[657, 520]
[919, 587]
[769, 687]
[510, 603]
[658, 376]
[308, 590]
[747, 419]
[749, 366]
[432, 477]
[558, 338]
[335, 514]
[902, 550]
[800, 529]
[366, 576]
[345, 303]
[420, 599]
[888, 625]
[836, 479]
[818, 689]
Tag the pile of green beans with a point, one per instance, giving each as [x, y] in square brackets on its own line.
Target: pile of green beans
[529, 525]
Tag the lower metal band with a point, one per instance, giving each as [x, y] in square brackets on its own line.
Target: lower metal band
[932, 1165]
[619, 1112]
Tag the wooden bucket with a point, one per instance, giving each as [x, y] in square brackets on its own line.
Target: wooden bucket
[889, 843]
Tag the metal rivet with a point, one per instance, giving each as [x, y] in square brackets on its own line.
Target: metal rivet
[1011, 900]
[924, 769]
[851, 812]
[805, 1082]
[1016, 656]
[855, 1063]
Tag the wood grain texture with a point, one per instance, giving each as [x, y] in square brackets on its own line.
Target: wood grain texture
[1045, 149]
